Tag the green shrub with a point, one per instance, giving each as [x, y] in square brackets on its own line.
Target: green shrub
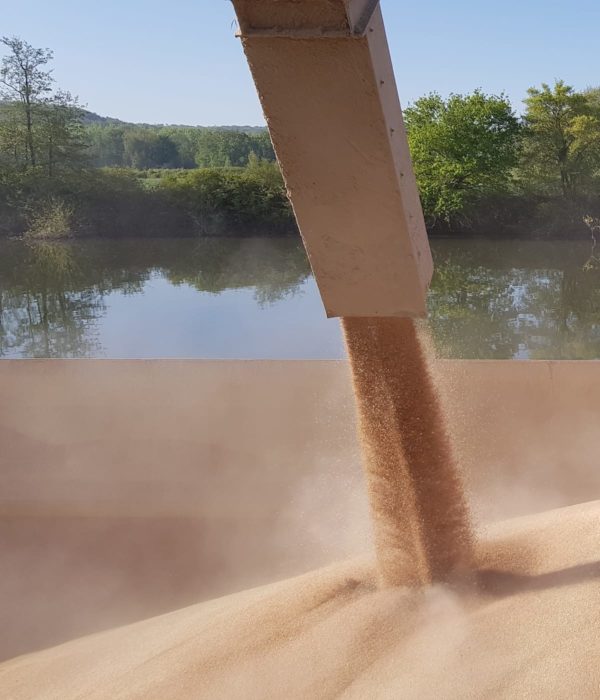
[231, 200]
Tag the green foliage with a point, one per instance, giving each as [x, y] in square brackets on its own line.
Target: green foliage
[24, 83]
[479, 168]
[145, 148]
[37, 128]
[221, 200]
[59, 136]
[49, 187]
[142, 147]
[463, 151]
[220, 148]
[106, 145]
[561, 148]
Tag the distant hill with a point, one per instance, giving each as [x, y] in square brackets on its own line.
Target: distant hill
[93, 118]
[90, 118]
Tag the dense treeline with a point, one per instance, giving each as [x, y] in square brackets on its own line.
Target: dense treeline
[144, 147]
[480, 167]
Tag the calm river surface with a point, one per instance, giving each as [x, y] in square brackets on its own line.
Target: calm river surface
[256, 298]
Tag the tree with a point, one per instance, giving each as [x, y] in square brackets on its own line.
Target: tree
[23, 79]
[13, 140]
[145, 148]
[261, 146]
[561, 148]
[463, 150]
[592, 95]
[184, 139]
[164, 152]
[60, 135]
[222, 148]
[106, 145]
[37, 128]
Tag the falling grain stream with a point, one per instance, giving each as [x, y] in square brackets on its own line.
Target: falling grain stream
[420, 516]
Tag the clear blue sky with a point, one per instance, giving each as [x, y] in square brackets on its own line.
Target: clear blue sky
[178, 62]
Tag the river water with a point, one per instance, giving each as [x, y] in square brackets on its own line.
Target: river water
[256, 298]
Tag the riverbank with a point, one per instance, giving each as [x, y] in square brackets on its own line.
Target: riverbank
[122, 203]
[233, 202]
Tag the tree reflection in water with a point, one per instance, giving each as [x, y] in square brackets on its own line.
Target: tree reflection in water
[488, 299]
[505, 299]
[52, 294]
[46, 307]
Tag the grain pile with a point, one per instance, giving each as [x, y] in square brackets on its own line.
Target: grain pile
[523, 624]
[529, 629]
[420, 517]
